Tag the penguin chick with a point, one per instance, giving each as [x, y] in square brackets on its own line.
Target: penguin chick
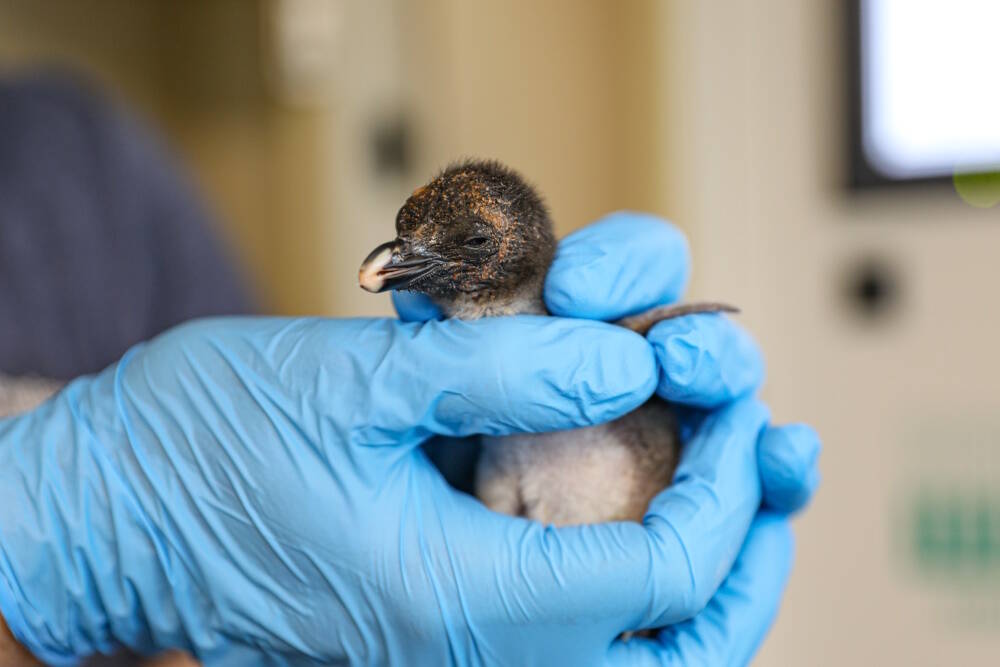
[478, 241]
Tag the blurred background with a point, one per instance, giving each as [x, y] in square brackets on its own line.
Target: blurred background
[833, 164]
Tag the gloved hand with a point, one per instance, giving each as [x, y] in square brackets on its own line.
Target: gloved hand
[253, 490]
[627, 263]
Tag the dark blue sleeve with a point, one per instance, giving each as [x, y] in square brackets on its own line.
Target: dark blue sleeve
[102, 242]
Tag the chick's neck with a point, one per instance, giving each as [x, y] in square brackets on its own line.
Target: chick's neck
[525, 300]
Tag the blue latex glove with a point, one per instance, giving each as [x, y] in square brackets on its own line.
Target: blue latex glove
[254, 489]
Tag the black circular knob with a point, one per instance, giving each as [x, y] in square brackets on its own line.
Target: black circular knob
[873, 288]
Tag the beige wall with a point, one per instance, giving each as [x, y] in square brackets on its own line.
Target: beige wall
[906, 407]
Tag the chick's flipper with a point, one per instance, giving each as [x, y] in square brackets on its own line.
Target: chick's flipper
[642, 322]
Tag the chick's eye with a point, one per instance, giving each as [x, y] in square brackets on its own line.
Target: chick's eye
[475, 241]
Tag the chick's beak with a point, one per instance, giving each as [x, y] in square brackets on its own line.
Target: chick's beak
[388, 267]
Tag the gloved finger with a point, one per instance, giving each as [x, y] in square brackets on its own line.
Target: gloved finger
[703, 517]
[788, 460]
[458, 378]
[730, 629]
[666, 569]
[706, 360]
[787, 457]
[415, 307]
[623, 264]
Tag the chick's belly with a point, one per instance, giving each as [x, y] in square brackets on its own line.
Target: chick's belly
[585, 475]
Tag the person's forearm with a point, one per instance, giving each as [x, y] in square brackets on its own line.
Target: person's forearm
[12, 654]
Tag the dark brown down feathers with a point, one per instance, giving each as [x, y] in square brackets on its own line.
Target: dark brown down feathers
[473, 201]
